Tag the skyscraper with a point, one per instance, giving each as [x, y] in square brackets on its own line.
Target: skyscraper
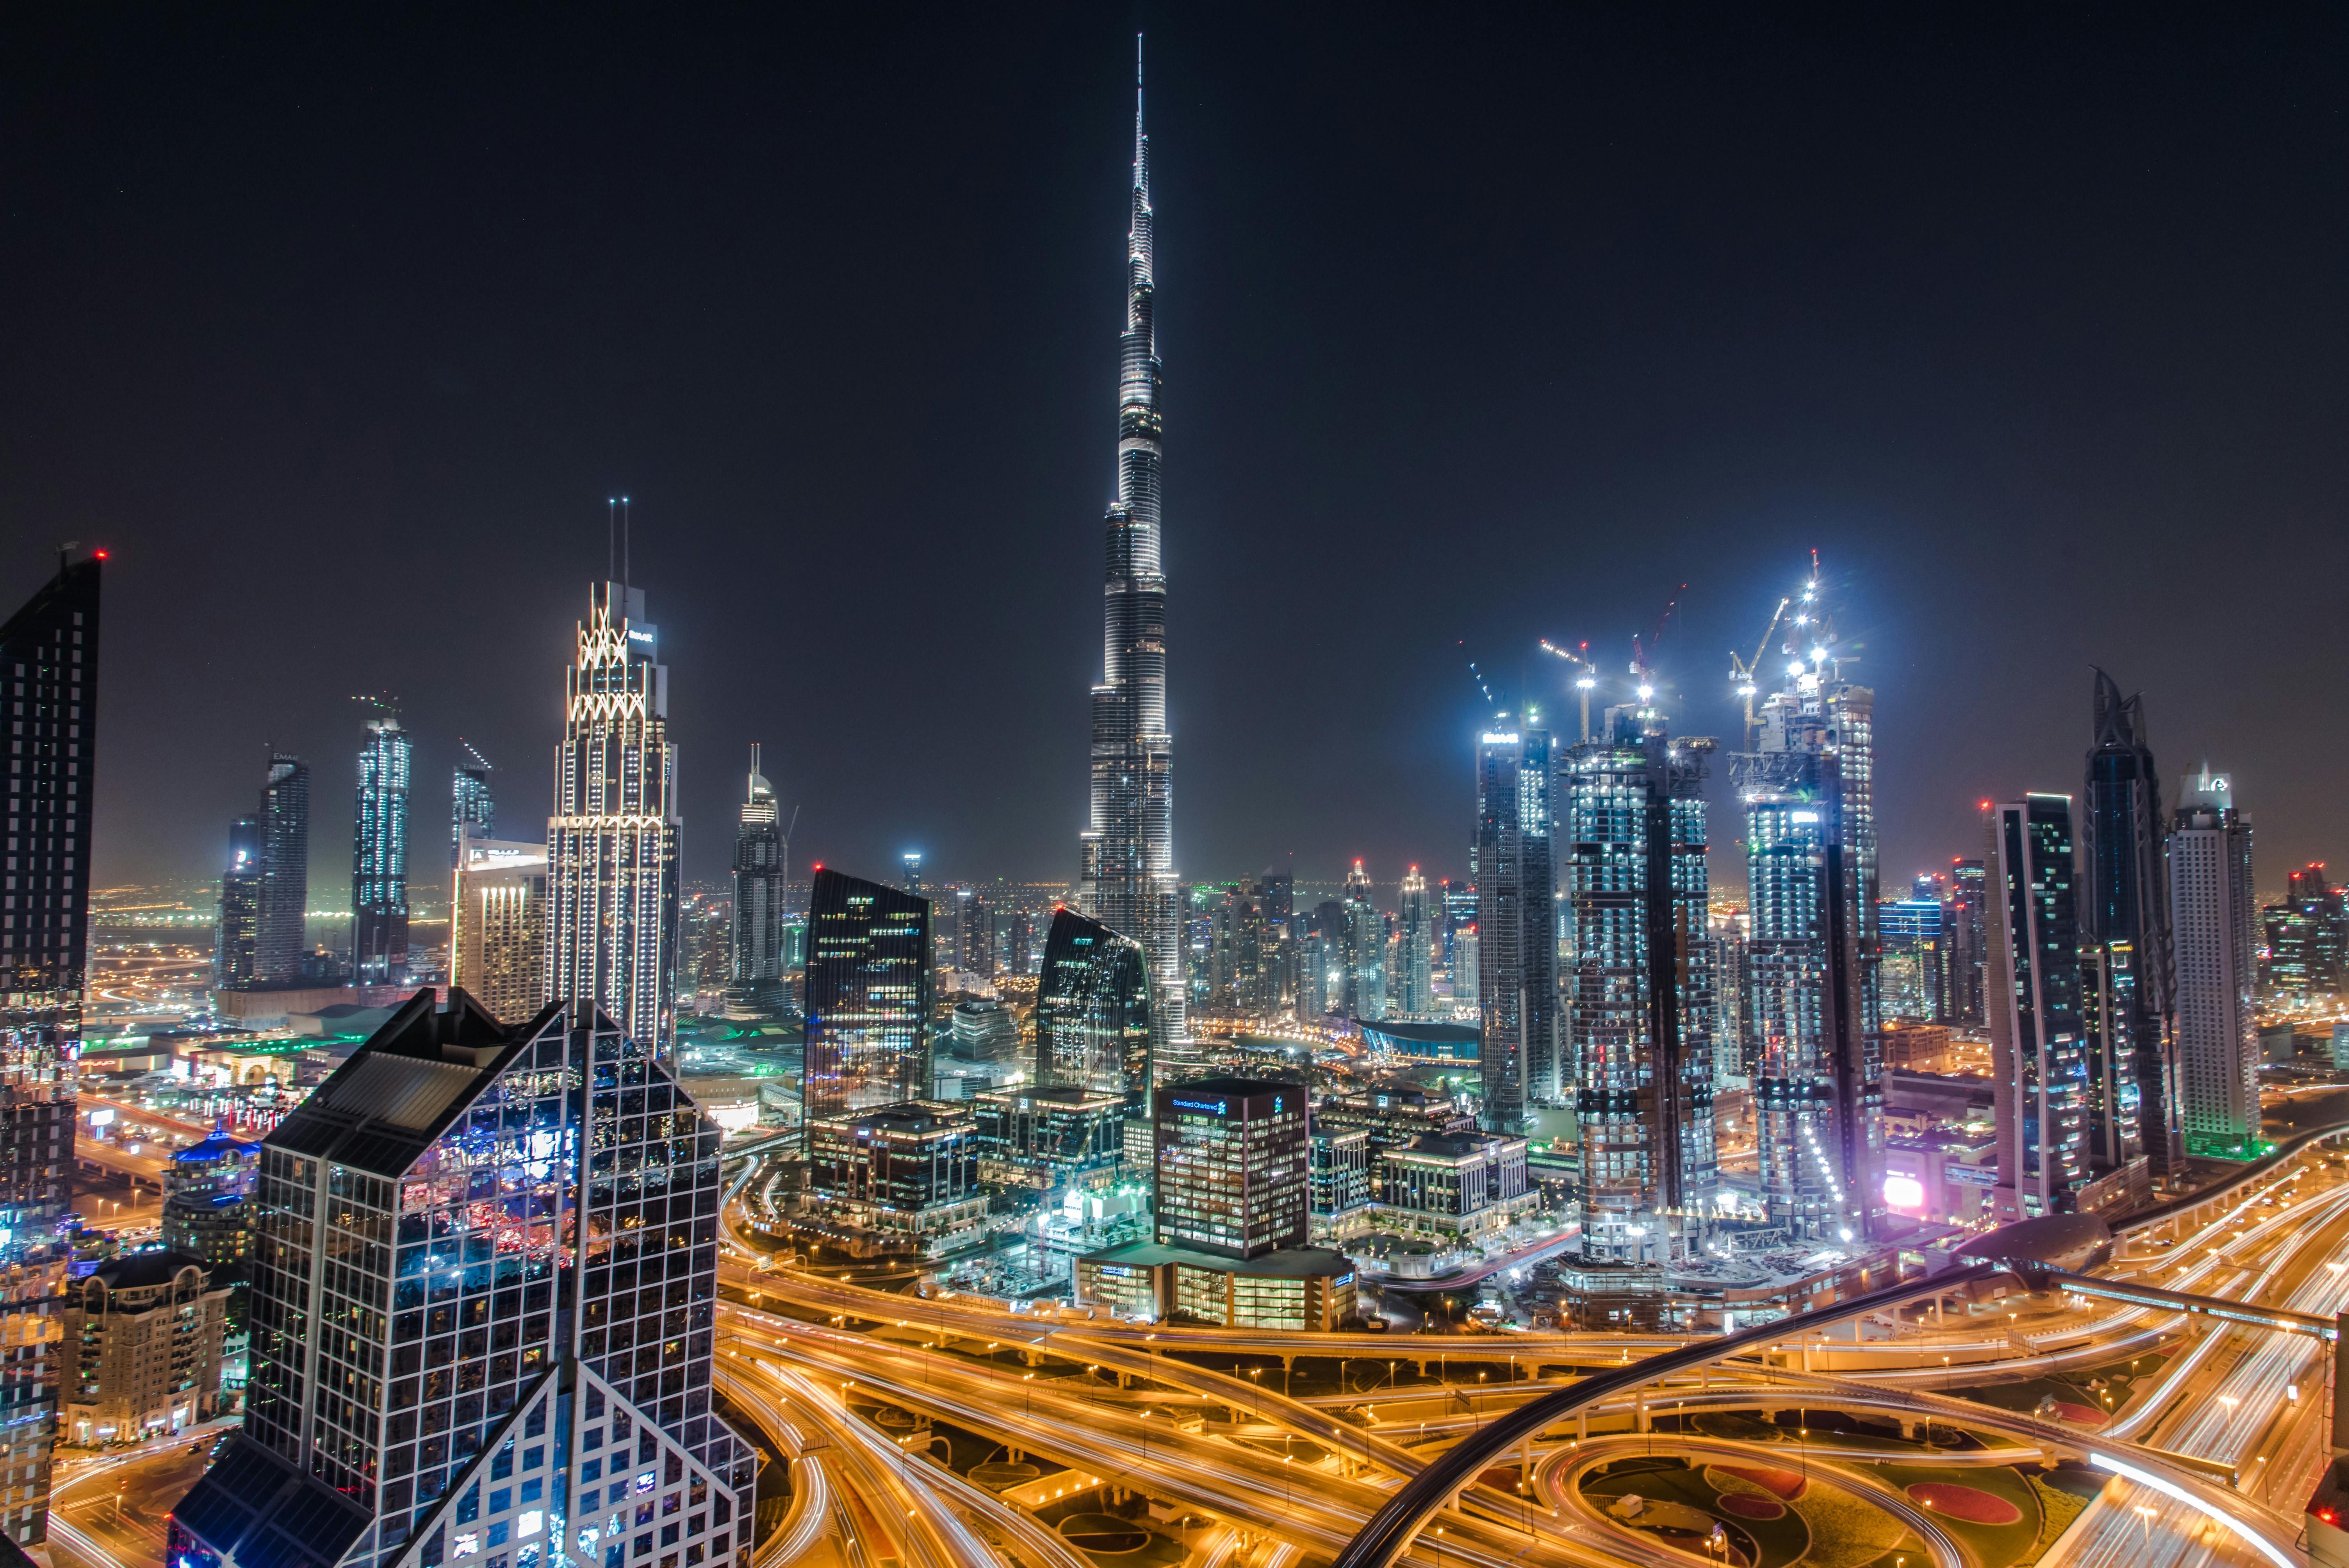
[2215, 942]
[236, 937]
[2307, 940]
[2050, 1103]
[1517, 926]
[284, 873]
[612, 843]
[48, 662]
[1639, 1014]
[497, 936]
[2125, 917]
[756, 981]
[868, 993]
[433, 1370]
[1969, 937]
[1414, 977]
[472, 808]
[1909, 965]
[1093, 1021]
[379, 856]
[1811, 881]
[1362, 948]
[1126, 875]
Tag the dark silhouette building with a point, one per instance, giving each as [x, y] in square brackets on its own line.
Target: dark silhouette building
[278, 944]
[236, 938]
[755, 979]
[868, 996]
[2124, 936]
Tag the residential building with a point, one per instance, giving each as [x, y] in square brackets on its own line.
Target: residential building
[1909, 958]
[1639, 984]
[1362, 950]
[143, 1346]
[379, 856]
[2307, 941]
[756, 979]
[280, 943]
[205, 1212]
[2214, 940]
[434, 1376]
[1414, 992]
[612, 876]
[49, 672]
[1969, 941]
[2125, 920]
[1126, 878]
[1517, 926]
[497, 937]
[868, 998]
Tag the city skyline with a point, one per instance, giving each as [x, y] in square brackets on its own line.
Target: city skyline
[1711, 411]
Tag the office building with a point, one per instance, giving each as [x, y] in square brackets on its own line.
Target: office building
[867, 995]
[904, 1176]
[1125, 877]
[1048, 1139]
[755, 987]
[612, 929]
[48, 663]
[1232, 1198]
[1517, 926]
[435, 1376]
[280, 945]
[1969, 935]
[380, 857]
[984, 1030]
[1732, 1008]
[1910, 961]
[2307, 941]
[473, 808]
[143, 1343]
[1811, 883]
[1338, 1183]
[1092, 1011]
[236, 934]
[497, 937]
[2125, 919]
[2215, 941]
[1639, 985]
[1413, 993]
[2066, 1123]
[1455, 962]
[1362, 950]
[1457, 1188]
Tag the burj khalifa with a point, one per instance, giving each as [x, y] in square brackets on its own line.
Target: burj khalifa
[1126, 878]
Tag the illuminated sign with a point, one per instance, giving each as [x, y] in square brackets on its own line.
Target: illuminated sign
[1212, 1109]
[1904, 1192]
[1802, 816]
[636, 637]
[1498, 738]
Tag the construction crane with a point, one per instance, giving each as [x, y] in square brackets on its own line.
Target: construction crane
[1641, 655]
[1580, 655]
[1478, 676]
[1746, 673]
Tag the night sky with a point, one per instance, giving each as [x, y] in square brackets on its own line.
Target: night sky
[340, 330]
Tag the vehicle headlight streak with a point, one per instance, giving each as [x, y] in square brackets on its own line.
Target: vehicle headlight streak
[2280, 1558]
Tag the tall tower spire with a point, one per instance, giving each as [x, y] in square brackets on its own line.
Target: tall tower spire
[1126, 880]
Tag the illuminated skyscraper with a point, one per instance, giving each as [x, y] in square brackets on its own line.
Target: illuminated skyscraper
[1811, 880]
[612, 843]
[868, 994]
[284, 873]
[1362, 949]
[1910, 967]
[1639, 1003]
[472, 808]
[440, 1375]
[1126, 875]
[1413, 991]
[2125, 919]
[236, 937]
[1969, 937]
[380, 857]
[756, 981]
[497, 936]
[48, 672]
[1516, 927]
[2215, 937]
[1093, 1021]
[2039, 1054]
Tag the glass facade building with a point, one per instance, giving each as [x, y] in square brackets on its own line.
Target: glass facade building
[2125, 918]
[756, 981]
[1413, 993]
[482, 1314]
[497, 943]
[1362, 950]
[284, 872]
[380, 857]
[1516, 927]
[2215, 944]
[472, 808]
[1092, 1012]
[1232, 1173]
[49, 671]
[2045, 1101]
[867, 996]
[1126, 876]
[1910, 964]
[612, 907]
[236, 933]
[1639, 984]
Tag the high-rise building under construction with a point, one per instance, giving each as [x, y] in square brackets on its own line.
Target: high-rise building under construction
[1126, 876]
[1639, 984]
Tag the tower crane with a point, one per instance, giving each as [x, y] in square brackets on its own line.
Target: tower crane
[1641, 655]
[1580, 655]
[1746, 672]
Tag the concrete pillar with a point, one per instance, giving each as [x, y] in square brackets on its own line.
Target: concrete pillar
[1581, 1426]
